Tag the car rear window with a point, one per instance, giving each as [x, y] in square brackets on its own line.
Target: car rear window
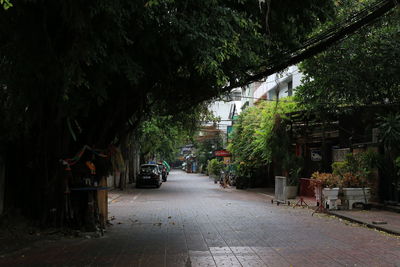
[147, 169]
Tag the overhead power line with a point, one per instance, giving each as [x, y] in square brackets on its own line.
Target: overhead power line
[326, 39]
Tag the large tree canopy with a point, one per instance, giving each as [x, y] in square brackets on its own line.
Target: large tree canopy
[161, 137]
[101, 62]
[86, 72]
[361, 70]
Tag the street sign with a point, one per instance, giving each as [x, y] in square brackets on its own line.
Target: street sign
[222, 153]
[316, 155]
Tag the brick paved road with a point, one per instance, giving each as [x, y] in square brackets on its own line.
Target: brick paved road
[189, 221]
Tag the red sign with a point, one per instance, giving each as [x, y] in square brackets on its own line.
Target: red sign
[222, 153]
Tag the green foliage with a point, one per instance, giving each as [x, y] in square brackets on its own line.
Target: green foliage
[205, 148]
[260, 134]
[360, 70]
[104, 63]
[293, 166]
[97, 70]
[340, 168]
[325, 180]
[215, 167]
[6, 4]
[356, 170]
[161, 137]
[297, 24]
[389, 127]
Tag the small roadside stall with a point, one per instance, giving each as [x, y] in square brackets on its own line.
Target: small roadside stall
[85, 187]
[191, 163]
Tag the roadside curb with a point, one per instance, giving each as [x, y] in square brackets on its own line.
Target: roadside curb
[369, 225]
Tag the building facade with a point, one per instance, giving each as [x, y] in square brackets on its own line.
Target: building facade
[277, 85]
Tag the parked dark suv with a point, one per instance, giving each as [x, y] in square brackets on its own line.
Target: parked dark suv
[149, 175]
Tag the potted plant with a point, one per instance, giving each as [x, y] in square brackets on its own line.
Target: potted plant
[354, 174]
[329, 183]
[214, 168]
[292, 166]
[355, 189]
[292, 183]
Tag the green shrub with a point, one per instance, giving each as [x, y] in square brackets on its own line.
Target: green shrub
[325, 180]
[215, 167]
[356, 170]
[340, 168]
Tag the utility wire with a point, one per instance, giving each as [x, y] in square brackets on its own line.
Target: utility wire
[324, 40]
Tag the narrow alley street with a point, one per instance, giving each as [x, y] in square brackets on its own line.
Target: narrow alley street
[190, 221]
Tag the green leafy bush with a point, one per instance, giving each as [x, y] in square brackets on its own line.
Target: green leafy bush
[292, 166]
[340, 168]
[260, 134]
[325, 180]
[215, 167]
[356, 170]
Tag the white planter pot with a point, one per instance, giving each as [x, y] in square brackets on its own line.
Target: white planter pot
[330, 197]
[356, 195]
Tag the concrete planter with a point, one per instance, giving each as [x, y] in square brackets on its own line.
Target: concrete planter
[291, 191]
[356, 195]
[330, 197]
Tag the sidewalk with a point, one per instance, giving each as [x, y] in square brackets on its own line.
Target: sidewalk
[377, 218]
[113, 195]
[387, 221]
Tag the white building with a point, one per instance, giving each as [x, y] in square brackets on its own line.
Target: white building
[278, 85]
[248, 95]
[225, 110]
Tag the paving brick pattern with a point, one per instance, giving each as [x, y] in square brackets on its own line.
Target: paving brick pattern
[190, 221]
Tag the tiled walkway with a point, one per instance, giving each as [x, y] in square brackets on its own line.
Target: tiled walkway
[384, 220]
[190, 221]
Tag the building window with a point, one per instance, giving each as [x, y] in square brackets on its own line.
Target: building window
[236, 95]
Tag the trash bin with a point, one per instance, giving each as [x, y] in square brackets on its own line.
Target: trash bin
[280, 192]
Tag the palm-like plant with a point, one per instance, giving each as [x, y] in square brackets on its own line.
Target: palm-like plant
[389, 127]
